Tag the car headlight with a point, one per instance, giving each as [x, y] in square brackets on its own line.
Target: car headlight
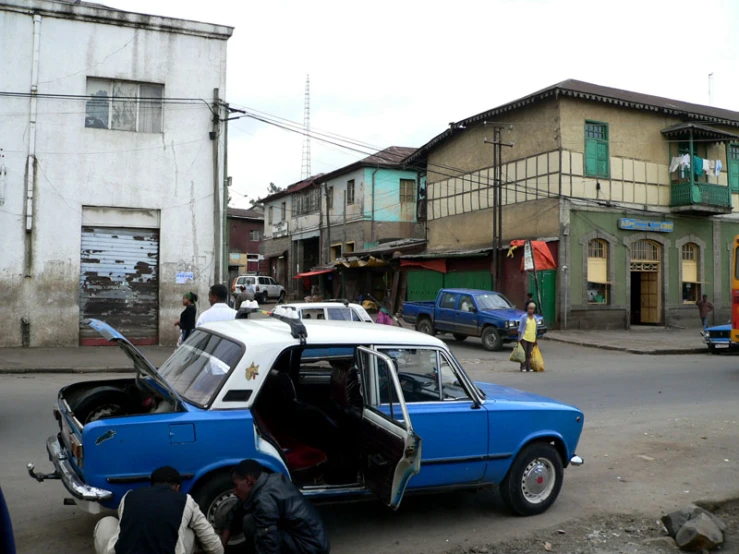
[510, 324]
[706, 334]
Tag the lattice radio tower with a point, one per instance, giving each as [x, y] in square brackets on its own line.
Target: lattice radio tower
[306, 172]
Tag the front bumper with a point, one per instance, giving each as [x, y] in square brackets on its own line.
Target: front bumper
[576, 461]
[64, 471]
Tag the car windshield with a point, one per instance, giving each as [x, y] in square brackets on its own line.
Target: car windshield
[198, 368]
[492, 302]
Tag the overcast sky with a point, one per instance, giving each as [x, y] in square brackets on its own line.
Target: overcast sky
[397, 72]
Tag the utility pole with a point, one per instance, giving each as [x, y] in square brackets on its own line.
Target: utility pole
[217, 196]
[343, 229]
[497, 242]
[305, 169]
[328, 220]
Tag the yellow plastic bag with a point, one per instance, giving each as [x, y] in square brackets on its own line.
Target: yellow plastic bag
[537, 360]
[518, 354]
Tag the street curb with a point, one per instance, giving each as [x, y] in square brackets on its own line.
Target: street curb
[655, 352]
[63, 370]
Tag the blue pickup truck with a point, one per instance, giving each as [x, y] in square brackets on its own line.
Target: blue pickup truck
[469, 313]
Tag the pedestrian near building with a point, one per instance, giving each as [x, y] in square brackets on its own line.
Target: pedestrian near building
[274, 516]
[157, 520]
[219, 310]
[186, 322]
[527, 334]
[704, 308]
[243, 295]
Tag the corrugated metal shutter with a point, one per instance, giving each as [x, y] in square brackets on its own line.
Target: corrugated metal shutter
[119, 283]
[424, 284]
[474, 279]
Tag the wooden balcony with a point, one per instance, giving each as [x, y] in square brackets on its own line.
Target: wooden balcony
[700, 198]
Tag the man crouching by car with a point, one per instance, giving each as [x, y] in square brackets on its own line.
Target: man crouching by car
[157, 520]
[276, 518]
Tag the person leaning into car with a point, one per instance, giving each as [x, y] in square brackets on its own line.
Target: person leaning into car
[275, 517]
[157, 520]
[527, 334]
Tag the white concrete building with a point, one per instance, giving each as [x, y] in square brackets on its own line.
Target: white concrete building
[112, 181]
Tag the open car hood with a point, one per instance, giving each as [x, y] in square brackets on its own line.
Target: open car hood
[143, 366]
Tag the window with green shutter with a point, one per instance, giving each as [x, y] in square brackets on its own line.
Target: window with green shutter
[732, 157]
[596, 149]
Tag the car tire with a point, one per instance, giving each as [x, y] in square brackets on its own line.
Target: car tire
[534, 480]
[459, 337]
[102, 403]
[216, 498]
[491, 339]
[425, 326]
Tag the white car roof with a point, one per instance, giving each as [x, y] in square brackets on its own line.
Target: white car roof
[318, 305]
[320, 332]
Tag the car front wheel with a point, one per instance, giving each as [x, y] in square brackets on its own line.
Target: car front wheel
[216, 499]
[533, 481]
[491, 339]
[425, 326]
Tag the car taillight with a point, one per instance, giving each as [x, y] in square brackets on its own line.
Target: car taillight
[77, 450]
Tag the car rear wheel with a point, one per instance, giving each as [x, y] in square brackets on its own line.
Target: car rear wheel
[533, 481]
[425, 326]
[491, 339]
[216, 499]
[459, 337]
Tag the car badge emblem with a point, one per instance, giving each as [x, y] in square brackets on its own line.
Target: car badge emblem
[252, 372]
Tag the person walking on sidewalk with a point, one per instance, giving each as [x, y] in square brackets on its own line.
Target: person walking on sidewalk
[704, 308]
[219, 310]
[157, 520]
[186, 322]
[527, 334]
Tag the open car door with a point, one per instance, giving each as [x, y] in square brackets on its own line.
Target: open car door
[390, 450]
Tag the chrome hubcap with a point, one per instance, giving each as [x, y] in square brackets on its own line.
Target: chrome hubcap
[218, 512]
[538, 480]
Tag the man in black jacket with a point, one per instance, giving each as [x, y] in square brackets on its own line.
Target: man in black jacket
[275, 516]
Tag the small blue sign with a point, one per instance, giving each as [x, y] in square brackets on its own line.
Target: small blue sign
[629, 224]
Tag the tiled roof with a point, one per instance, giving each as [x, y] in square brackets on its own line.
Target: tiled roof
[247, 214]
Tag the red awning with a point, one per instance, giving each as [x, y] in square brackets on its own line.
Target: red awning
[434, 265]
[543, 258]
[312, 273]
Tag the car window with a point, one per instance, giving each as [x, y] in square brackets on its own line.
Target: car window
[451, 383]
[197, 369]
[339, 314]
[355, 316]
[417, 373]
[263, 281]
[466, 304]
[312, 313]
[492, 302]
[448, 300]
[271, 281]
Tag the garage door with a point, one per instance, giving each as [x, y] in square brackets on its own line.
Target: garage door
[119, 283]
[480, 279]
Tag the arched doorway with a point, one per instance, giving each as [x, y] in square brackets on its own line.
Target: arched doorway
[646, 282]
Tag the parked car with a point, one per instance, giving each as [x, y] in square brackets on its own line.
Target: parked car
[469, 313]
[404, 417]
[265, 288]
[718, 338]
[337, 311]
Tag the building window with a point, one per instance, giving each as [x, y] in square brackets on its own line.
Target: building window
[283, 209]
[407, 190]
[732, 156]
[350, 192]
[254, 235]
[645, 251]
[349, 247]
[269, 215]
[596, 149]
[691, 286]
[329, 198]
[308, 201]
[124, 106]
[335, 252]
[598, 272]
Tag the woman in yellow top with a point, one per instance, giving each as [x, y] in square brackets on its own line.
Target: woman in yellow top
[527, 334]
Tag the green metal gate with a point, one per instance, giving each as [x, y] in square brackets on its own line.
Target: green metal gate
[424, 284]
[480, 279]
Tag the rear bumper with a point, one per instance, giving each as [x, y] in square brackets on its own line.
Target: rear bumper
[68, 476]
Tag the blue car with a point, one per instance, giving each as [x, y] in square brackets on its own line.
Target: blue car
[7, 542]
[403, 418]
[718, 338]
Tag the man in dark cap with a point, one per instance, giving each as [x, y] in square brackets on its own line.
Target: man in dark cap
[156, 520]
[275, 517]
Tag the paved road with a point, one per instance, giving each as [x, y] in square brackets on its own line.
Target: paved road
[658, 433]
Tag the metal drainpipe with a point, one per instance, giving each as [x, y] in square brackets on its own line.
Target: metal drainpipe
[372, 228]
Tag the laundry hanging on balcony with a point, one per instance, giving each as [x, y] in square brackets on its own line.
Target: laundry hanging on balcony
[699, 166]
